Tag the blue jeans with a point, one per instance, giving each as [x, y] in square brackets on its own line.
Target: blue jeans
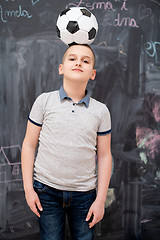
[57, 205]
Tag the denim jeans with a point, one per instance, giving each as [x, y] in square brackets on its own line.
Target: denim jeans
[57, 205]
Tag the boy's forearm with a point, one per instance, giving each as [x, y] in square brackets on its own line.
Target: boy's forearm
[104, 175]
[27, 161]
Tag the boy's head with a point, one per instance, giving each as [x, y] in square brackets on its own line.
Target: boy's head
[78, 63]
[83, 45]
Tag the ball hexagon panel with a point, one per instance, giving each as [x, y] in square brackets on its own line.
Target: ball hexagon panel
[73, 26]
[81, 37]
[88, 24]
[58, 32]
[94, 22]
[67, 37]
[92, 33]
[74, 14]
[62, 22]
[85, 12]
[64, 12]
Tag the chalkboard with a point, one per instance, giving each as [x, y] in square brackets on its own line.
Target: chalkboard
[127, 50]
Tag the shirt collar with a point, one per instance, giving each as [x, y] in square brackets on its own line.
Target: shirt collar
[85, 100]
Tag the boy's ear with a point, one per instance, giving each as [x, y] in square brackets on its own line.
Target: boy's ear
[60, 69]
[93, 74]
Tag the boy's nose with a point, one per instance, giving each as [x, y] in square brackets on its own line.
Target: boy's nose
[78, 63]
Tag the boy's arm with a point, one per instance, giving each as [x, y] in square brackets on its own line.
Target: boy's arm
[27, 160]
[104, 175]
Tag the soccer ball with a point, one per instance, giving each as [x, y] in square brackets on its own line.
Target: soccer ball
[77, 25]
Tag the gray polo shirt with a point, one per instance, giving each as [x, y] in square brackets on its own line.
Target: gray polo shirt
[67, 141]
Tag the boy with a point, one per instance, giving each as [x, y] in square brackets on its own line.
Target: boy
[68, 124]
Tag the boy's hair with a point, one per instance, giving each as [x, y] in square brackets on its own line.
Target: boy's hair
[85, 45]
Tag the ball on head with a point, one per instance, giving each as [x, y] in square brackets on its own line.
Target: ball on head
[77, 25]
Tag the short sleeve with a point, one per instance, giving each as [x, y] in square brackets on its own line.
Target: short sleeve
[105, 122]
[36, 113]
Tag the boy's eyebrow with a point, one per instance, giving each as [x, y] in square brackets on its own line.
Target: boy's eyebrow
[85, 56]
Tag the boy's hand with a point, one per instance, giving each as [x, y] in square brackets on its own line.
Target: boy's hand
[33, 202]
[96, 213]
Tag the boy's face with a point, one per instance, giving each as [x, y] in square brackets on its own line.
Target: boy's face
[78, 63]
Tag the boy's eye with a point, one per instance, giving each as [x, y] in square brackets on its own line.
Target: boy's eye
[85, 61]
[71, 59]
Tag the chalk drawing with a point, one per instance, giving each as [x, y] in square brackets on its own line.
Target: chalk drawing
[143, 11]
[102, 43]
[149, 140]
[146, 220]
[121, 50]
[155, 2]
[20, 58]
[156, 111]
[14, 167]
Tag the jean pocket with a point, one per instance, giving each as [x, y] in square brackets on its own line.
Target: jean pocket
[39, 187]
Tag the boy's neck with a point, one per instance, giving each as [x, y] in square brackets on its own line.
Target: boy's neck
[75, 91]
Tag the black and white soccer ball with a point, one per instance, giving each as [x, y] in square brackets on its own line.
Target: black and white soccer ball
[77, 25]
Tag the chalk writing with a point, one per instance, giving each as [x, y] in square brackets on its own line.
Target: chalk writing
[108, 20]
[97, 5]
[124, 6]
[119, 21]
[35, 1]
[91, 6]
[153, 50]
[100, 5]
[32, 1]
[125, 21]
[6, 14]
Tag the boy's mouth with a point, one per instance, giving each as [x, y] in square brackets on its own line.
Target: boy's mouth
[77, 70]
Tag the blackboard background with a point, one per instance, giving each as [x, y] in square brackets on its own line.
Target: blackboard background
[127, 51]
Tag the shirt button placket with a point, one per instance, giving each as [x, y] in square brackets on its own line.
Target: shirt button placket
[73, 107]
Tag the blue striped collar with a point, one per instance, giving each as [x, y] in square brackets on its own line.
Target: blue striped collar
[85, 100]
